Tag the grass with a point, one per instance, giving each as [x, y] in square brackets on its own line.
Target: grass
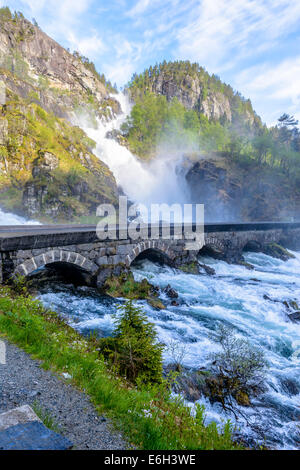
[46, 417]
[149, 418]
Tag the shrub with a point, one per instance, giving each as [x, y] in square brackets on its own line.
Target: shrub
[133, 349]
[238, 371]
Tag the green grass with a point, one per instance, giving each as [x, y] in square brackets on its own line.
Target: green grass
[46, 417]
[148, 417]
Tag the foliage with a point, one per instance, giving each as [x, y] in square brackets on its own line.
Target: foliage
[148, 416]
[238, 370]
[157, 124]
[133, 350]
[20, 285]
[79, 183]
[5, 14]
[46, 417]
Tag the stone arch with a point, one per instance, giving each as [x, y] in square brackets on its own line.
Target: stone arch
[56, 256]
[252, 244]
[155, 245]
[214, 243]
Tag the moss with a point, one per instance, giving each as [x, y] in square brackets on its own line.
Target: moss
[242, 398]
[277, 251]
[190, 268]
[79, 184]
[156, 303]
[245, 264]
[126, 286]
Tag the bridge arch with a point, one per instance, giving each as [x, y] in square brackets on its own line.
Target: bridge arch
[56, 257]
[161, 249]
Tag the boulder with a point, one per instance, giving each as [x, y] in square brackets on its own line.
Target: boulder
[170, 292]
[294, 317]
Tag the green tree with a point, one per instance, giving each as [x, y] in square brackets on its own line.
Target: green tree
[134, 349]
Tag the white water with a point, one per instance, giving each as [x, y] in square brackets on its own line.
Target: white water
[155, 182]
[7, 218]
[232, 298]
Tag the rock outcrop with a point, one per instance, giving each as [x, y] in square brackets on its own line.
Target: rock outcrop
[35, 65]
[195, 89]
[230, 192]
[47, 167]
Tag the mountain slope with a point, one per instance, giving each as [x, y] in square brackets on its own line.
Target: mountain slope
[47, 167]
[233, 163]
[195, 89]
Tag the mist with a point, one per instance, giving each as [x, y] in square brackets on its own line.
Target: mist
[157, 181]
[6, 218]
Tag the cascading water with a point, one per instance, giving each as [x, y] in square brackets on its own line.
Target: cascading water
[7, 218]
[145, 183]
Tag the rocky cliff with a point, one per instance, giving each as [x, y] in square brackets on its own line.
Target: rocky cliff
[231, 192]
[195, 89]
[47, 167]
[62, 82]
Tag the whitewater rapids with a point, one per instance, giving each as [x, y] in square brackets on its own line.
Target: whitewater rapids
[233, 297]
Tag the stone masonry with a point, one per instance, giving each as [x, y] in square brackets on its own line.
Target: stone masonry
[23, 253]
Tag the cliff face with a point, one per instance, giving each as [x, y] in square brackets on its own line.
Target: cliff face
[47, 167]
[190, 93]
[195, 89]
[62, 82]
[230, 192]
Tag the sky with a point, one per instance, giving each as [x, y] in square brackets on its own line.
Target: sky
[253, 45]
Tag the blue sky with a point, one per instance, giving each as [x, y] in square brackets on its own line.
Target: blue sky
[251, 44]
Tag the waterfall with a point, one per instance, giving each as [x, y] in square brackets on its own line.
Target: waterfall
[143, 182]
[6, 218]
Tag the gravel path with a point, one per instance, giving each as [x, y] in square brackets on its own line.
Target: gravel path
[22, 382]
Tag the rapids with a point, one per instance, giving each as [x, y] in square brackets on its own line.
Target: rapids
[234, 297]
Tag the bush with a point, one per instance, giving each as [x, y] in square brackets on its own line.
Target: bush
[238, 371]
[133, 349]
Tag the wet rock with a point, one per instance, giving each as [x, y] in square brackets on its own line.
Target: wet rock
[290, 387]
[277, 251]
[242, 398]
[192, 383]
[266, 297]
[156, 303]
[294, 317]
[190, 268]
[170, 292]
[210, 271]
[244, 263]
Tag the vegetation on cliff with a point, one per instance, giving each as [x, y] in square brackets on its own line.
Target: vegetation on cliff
[179, 107]
[47, 168]
[170, 100]
[147, 415]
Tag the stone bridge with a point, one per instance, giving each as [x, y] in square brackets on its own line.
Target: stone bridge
[24, 249]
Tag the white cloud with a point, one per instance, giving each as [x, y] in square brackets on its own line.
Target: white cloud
[218, 33]
[140, 7]
[89, 46]
[274, 89]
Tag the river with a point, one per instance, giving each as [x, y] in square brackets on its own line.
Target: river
[235, 298]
